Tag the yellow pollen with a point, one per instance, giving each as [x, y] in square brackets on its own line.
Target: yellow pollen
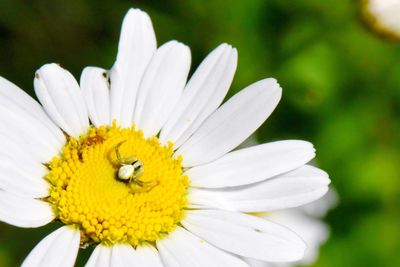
[85, 190]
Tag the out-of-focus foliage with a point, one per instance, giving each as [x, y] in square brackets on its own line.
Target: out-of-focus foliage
[341, 91]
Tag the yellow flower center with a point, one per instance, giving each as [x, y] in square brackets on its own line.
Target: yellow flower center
[87, 192]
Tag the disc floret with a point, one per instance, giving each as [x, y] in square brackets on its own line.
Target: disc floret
[140, 203]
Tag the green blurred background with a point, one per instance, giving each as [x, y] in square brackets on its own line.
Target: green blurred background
[341, 91]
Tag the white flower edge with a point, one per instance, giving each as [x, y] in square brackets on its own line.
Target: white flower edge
[307, 222]
[59, 248]
[383, 17]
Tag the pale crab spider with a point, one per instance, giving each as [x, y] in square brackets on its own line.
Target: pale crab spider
[130, 168]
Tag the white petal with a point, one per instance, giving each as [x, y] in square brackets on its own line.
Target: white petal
[245, 235]
[122, 255]
[96, 92]
[116, 94]
[100, 257]
[14, 149]
[321, 207]
[189, 250]
[384, 14]
[137, 45]
[254, 164]
[147, 256]
[62, 99]
[60, 248]
[30, 135]
[313, 231]
[257, 263]
[202, 95]
[161, 87]
[24, 212]
[15, 98]
[24, 120]
[288, 190]
[168, 258]
[232, 123]
[17, 178]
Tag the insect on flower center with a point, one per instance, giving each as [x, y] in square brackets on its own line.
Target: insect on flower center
[127, 172]
[118, 187]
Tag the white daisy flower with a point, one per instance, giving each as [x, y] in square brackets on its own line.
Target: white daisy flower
[383, 16]
[136, 161]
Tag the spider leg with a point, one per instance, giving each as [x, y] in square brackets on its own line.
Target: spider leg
[138, 182]
[128, 161]
[117, 151]
[150, 185]
[139, 171]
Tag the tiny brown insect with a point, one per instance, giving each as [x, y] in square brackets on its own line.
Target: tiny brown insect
[97, 139]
